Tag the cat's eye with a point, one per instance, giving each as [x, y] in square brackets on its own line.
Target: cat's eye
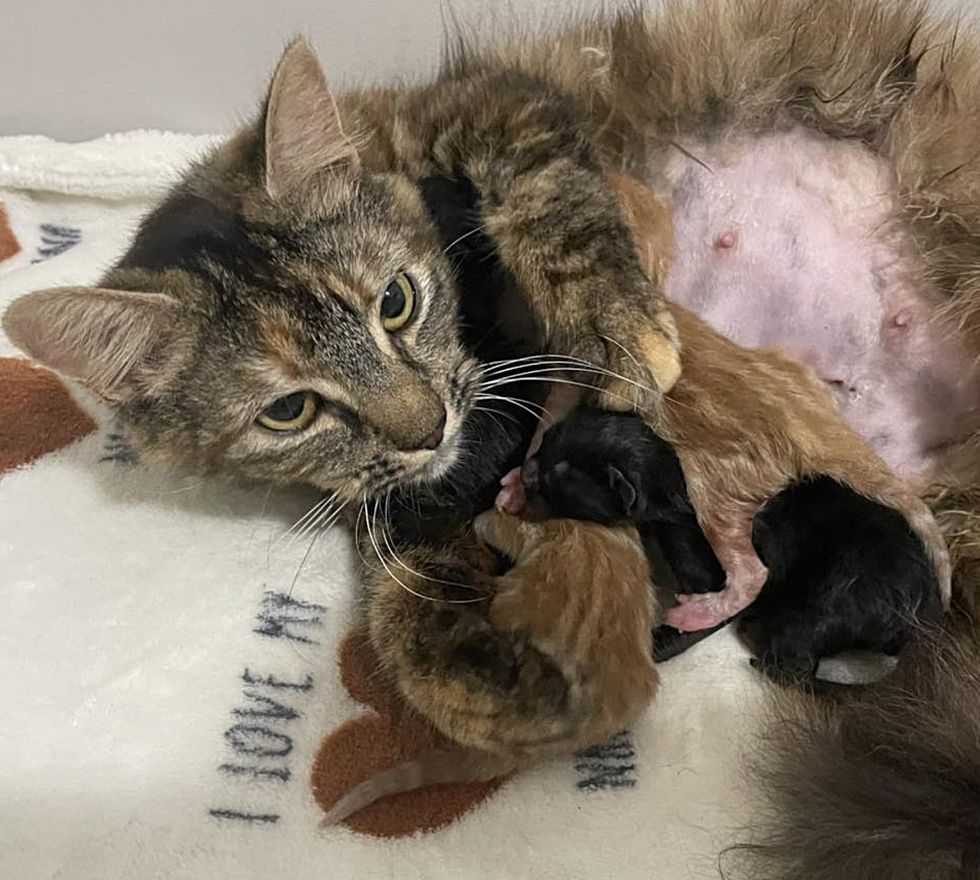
[398, 302]
[290, 413]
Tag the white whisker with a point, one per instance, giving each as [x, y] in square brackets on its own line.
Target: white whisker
[312, 512]
[302, 563]
[395, 558]
[465, 235]
[381, 558]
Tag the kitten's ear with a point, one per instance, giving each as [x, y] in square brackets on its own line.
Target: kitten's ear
[624, 488]
[97, 337]
[303, 135]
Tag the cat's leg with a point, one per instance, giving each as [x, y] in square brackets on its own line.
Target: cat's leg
[428, 621]
[728, 528]
[557, 224]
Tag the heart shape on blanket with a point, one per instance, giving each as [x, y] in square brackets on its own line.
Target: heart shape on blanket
[366, 745]
[8, 241]
[37, 414]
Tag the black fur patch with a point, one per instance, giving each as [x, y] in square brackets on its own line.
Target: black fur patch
[188, 232]
[844, 573]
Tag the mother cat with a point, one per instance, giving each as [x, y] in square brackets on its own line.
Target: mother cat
[289, 314]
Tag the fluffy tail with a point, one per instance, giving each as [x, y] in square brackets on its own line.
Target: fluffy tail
[437, 767]
[885, 784]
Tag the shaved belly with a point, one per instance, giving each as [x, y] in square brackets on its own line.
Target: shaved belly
[793, 241]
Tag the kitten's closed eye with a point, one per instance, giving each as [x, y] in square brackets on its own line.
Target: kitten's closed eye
[293, 412]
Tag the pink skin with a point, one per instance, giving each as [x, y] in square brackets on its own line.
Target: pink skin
[562, 399]
[511, 498]
[789, 241]
[729, 532]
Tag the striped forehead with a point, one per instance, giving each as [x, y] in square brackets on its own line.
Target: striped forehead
[314, 334]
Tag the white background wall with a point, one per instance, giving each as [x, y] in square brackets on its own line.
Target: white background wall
[75, 69]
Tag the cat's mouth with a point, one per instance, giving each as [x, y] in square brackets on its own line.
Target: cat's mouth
[441, 460]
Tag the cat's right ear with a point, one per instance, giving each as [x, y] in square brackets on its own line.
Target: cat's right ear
[624, 488]
[305, 144]
[97, 337]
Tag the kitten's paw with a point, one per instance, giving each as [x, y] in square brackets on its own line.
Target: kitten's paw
[696, 611]
[508, 534]
[512, 498]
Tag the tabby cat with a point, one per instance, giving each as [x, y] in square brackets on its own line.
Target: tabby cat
[292, 312]
[822, 162]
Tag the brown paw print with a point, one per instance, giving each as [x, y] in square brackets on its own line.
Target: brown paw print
[37, 415]
[364, 746]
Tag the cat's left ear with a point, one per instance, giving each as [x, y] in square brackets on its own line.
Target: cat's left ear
[100, 338]
[304, 140]
[624, 488]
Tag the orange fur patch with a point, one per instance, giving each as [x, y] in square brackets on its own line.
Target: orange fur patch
[281, 345]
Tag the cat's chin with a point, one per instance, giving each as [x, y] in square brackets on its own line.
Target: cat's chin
[442, 461]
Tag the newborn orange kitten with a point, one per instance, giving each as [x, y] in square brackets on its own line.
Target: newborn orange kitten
[580, 594]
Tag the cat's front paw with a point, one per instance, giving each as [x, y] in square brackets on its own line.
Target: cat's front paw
[642, 362]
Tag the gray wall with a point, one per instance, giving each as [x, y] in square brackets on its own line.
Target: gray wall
[76, 69]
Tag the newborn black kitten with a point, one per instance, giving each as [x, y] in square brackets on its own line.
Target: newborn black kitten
[611, 468]
[845, 573]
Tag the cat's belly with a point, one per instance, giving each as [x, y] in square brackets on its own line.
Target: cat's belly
[790, 240]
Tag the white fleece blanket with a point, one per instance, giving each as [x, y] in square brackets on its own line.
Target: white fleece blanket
[168, 679]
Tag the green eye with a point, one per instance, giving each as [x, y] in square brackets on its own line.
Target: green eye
[290, 413]
[398, 302]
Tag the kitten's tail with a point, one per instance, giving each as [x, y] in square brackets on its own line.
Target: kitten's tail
[884, 784]
[438, 767]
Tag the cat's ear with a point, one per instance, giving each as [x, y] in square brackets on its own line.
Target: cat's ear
[623, 488]
[97, 337]
[304, 139]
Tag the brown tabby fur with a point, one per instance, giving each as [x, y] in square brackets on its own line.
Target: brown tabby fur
[191, 378]
[578, 599]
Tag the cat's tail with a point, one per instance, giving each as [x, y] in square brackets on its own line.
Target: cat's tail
[883, 784]
[437, 767]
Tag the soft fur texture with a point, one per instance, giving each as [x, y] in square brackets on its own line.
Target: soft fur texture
[579, 603]
[745, 426]
[896, 85]
[845, 574]
[611, 468]
[886, 783]
[264, 275]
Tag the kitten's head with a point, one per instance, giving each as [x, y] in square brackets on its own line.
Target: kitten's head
[283, 314]
[583, 470]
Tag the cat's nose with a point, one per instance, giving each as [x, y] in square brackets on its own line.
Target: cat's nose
[435, 438]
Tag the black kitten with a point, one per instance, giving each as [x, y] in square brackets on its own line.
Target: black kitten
[845, 573]
[612, 468]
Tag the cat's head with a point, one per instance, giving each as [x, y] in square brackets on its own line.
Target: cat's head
[587, 468]
[283, 314]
